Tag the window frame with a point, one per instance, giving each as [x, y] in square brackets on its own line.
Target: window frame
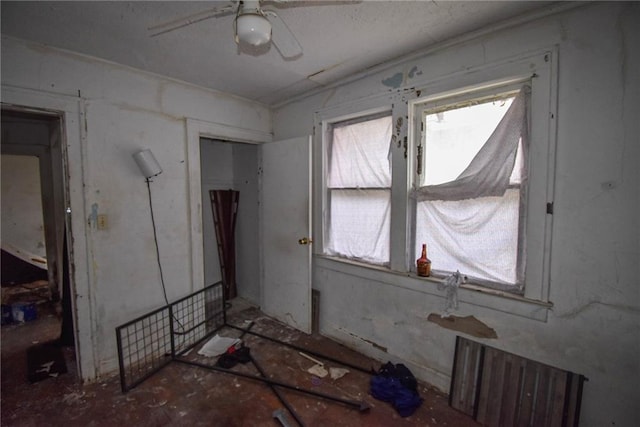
[475, 96]
[541, 67]
[541, 71]
[327, 125]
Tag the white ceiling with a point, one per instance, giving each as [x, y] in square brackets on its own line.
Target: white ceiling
[339, 38]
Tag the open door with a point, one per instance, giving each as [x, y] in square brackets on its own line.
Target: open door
[285, 202]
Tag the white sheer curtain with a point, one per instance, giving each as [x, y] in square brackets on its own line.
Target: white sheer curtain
[489, 172]
[358, 182]
[478, 237]
[472, 223]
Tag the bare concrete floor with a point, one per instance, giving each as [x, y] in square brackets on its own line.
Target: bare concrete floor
[182, 395]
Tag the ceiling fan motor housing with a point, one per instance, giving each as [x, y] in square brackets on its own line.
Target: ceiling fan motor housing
[253, 28]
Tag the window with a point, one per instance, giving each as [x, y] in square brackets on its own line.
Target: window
[479, 201]
[358, 184]
[471, 180]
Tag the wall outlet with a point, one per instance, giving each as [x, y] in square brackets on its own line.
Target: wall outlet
[103, 224]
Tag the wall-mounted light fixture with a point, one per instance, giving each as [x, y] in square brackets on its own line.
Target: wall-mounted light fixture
[147, 163]
[150, 167]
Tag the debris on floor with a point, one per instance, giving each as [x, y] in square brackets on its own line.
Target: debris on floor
[318, 369]
[45, 361]
[180, 395]
[217, 345]
[19, 302]
[397, 385]
[337, 373]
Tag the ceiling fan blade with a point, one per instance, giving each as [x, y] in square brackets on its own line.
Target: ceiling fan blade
[302, 3]
[282, 37]
[175, 24]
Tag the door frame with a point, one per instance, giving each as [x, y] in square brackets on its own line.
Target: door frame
[70, 111]
[196, 129]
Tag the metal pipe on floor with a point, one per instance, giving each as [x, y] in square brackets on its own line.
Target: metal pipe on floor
[361, 406]
[273, 387]
[305, 350]
[278, 394]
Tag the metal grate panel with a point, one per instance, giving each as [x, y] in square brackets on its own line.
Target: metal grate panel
[148, 343]
[197, 316]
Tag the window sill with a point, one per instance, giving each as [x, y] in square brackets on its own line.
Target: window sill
[467, 294]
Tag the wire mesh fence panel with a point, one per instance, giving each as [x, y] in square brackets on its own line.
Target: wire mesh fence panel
[144, 347]
[148, 343]
[196, 316]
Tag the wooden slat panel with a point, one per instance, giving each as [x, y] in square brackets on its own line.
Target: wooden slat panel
[556, 401]
[513, 373]
[540, 416]
[575, 396]
[501, 389]
[471, 378]
[488, 371]
[457, 374]
[464, 379]
[527, 395]
[490, 401]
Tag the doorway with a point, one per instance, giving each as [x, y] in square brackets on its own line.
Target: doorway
[228, 165]
[34, 231]
[296, 273]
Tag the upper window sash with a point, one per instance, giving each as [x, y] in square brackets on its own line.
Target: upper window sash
[358, 153]
[441, 104]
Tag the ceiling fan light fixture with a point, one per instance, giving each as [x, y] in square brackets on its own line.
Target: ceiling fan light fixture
[253, 29]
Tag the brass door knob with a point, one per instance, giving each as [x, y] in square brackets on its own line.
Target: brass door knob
[305, 241]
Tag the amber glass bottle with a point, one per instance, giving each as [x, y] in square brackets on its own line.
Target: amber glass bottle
[423, 263]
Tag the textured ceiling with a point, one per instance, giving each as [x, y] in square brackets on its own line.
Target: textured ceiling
[339, 38]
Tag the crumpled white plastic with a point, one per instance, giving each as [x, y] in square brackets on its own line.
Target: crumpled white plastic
[451, 284]
[217, 345]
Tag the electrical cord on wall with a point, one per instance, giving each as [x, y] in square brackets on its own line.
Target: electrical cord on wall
[155, 239]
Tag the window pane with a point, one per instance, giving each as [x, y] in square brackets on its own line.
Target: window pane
[359, 227]
[479, 237]
[359, 155]
[454, 137]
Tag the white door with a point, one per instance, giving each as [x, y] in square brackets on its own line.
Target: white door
[285, 202]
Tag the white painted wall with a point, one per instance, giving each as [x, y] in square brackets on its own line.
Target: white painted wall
[245, 169]
[123, 110]
[593, 327]
[22, 221]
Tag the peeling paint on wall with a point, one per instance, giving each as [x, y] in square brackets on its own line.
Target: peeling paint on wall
[414, 72]
[468, 325]
[394, 81]
[398, 79]
[375, 345]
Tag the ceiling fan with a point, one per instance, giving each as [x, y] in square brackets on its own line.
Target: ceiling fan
[253, 25]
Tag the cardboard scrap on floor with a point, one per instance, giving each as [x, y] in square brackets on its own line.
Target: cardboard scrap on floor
[318, 369]
[468, 325]
[337, 373]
